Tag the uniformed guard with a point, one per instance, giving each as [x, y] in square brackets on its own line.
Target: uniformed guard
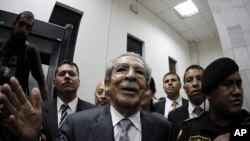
[222, 85]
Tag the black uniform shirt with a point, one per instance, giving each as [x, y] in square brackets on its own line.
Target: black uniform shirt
[204, 129]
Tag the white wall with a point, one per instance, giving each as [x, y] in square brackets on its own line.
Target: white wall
[207, 51]
[102, 36]
[91, 41]
[203, 53]
[232, 19]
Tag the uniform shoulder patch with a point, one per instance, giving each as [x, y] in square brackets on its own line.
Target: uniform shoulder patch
[190, 119]
[199, 138]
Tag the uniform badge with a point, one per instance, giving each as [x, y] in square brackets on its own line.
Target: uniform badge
[199, 138]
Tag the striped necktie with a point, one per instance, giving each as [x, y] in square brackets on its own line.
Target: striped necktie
[64, 114]
[198, 111]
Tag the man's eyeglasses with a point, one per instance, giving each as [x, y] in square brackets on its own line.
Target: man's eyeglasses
[123, 69]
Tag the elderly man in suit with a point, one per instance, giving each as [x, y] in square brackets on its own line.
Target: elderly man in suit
[66, 83]
[20, 58]
[196, 105]
[127, 78]
[101, 95]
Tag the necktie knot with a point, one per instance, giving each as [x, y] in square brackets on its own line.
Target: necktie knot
[125, 124]
[64, 108]
[198, 111]
[174, 104]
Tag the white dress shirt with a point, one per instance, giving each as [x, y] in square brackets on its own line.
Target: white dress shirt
[72, 107]
[192, 106]
[169, 107]
[134, 131]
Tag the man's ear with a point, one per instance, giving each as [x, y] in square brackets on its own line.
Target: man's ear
[108, 92]
[208, 96]
[79, 83]
[184, 87]
[106, 82]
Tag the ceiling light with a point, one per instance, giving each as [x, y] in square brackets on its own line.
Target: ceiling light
[186, 9]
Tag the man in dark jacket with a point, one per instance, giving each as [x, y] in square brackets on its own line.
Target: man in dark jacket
[66, 82]
[222, 85]
[127, 78]
[173, 99]
[18, 57]
[196, 105]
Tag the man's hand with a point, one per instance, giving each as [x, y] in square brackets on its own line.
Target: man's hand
[23, 116]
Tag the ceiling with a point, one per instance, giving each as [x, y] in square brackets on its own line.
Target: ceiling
[199, 27]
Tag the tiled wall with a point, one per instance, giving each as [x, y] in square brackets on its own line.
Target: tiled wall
[232, 18]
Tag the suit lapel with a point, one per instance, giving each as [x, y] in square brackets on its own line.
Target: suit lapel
[185, 112]
[162, 110]
[103, 129]
[184, 101]
[148, 129]
[80, 105]
[51, 116]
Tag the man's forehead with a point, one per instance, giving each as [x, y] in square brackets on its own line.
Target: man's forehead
[100, 85]
[194, 72]
[66, 66]
[170, 76]
[25, 17]
[129, 60]
[233, 76]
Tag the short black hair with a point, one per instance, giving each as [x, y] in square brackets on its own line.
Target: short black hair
[152, 85]
[192, 67]
[28, 13]
[67, 62]
[171, 73]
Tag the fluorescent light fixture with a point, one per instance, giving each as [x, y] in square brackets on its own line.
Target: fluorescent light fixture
[186, 9]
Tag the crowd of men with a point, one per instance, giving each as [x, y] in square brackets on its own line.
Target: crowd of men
[124, 107]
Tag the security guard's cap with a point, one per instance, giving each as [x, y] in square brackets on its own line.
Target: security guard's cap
[216, 72]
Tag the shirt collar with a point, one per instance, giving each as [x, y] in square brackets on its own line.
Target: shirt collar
[170, 101]
[72, 105]
[117, 117]
[202, 105]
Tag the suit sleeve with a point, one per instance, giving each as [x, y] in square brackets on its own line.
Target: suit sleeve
[36, 64]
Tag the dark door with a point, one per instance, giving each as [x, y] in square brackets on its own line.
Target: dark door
[61, 15]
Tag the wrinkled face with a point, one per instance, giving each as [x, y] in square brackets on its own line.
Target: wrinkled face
[127, 83]
[100, 95]
[22, 28]
[192, 86]
[171, 86]
[227, 98]
[67, 79]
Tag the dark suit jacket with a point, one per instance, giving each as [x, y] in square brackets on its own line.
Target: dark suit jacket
[96, 125]
[160, 106]
[176, 117]
[50, 120]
